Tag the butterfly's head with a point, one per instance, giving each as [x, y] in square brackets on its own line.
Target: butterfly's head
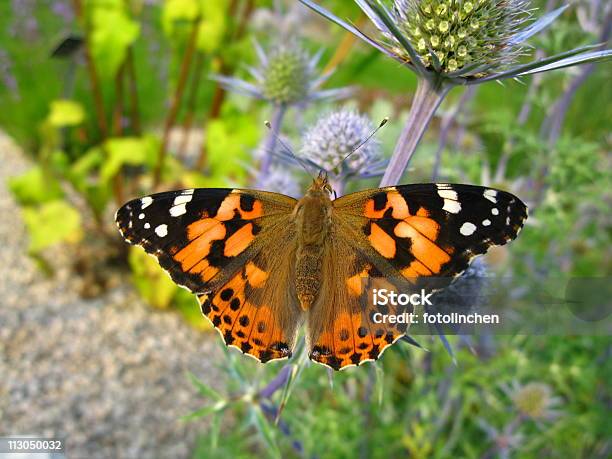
[321, 183]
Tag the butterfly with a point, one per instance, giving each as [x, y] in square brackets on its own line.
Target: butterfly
[263, 264]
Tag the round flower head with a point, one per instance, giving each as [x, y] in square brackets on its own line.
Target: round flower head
[451, 42]
[534, 400]
[461, 34]
[335, 136]
[287, 74]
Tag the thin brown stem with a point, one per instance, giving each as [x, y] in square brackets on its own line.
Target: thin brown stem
[426, 101]
[117, 126]
[176, 100]
[94, 81]
[133, 92]
[192, 99]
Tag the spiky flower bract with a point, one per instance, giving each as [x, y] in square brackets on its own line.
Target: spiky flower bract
[334, 136]
[462, 34]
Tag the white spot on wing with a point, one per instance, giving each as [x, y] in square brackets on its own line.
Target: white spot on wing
[447, 193]
[491, 195]
[451, 206]
[450, 198]
[141, 217]
[179, 210]
[162, 230]
[146, 202]
[147, 225]
[467, 229]
[179, 206]
[486, 222]
[495, 211]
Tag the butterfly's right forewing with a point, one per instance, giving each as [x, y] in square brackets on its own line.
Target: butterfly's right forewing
[236, 250]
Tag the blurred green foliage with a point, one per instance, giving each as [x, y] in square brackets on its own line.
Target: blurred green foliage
[413, 403]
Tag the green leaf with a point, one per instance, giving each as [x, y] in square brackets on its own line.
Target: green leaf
[204, 389]
[206, 411]
[266, 430]
[83, 176]
[65, 113]
[176, 11]
[112, 32]
[52, 223]
[136, 151]
[153, 284]
[229, 143]
[213, 25]
[189, 308]
[35, 187]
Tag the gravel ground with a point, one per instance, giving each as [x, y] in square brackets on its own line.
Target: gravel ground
[108, 375]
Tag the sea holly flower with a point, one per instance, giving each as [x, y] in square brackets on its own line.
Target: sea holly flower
[535, 400]
[286, 76]
[454, 42]
[335, 143]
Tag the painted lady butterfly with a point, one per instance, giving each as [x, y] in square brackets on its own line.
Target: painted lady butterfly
[263, 263]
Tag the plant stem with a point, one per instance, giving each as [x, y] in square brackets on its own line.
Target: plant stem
[176, 100]
[427, 99]
[117, 130]
[270, 142]
[192, 99]
[133, 89]
[92, 71]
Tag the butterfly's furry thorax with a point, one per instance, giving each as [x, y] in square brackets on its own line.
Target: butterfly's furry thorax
[312, 217]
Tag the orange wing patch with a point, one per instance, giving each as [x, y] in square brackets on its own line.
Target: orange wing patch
[248, 326]
[407, 238]
[232, 225]
[351, 334]
[239, 241]
[381, 241]
[202, 234]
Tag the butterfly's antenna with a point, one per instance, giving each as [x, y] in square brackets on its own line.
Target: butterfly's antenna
[364, 141]
[287, 147]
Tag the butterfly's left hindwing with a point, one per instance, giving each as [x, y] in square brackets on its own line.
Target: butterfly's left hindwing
[202, 236]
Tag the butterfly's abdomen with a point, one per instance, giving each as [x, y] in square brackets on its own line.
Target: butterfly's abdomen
[313, 220]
